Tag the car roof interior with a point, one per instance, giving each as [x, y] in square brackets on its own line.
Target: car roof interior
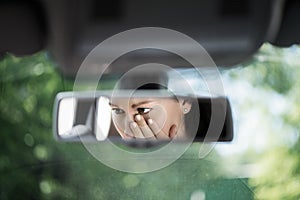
[230, 30]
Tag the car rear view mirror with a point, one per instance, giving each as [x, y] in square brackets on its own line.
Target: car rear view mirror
[143, 116]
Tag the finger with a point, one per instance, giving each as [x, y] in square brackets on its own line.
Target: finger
[157, 131]
[173, 131]
[146, 131]
[136, 130]
[140, 120]
[126, 136]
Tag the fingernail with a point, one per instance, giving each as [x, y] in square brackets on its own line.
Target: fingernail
[150, 121]
[133, 124]
[138, 117]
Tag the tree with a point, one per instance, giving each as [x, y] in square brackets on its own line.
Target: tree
[35, 166]
[273, 75]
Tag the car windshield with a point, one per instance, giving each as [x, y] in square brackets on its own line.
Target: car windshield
[262, 161]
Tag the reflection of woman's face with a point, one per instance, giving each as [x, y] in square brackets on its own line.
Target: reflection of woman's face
[166, 112]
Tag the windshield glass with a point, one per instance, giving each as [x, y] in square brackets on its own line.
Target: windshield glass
[262, 162]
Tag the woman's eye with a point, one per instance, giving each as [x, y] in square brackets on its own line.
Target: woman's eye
[143, 111]
[118, 111]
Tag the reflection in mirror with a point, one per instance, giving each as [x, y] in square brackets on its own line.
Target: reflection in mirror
[102, 119]
[66, 117]
[148, 117]
[75, 117]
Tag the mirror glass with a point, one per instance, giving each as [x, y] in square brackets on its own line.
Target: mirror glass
[103, 118]
[66, 116]
[94, 117]
[74, 117]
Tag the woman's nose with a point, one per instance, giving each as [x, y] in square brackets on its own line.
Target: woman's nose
[129, 119]
[131, 114]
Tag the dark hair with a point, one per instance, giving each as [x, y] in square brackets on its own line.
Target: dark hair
[144, 80]
[152, 86]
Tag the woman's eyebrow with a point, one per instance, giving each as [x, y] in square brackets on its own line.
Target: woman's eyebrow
[140, 103]
[112, 105]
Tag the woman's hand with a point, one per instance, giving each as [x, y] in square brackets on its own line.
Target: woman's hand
[148, 129]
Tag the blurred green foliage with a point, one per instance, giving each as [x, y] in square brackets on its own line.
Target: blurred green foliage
[35, 166]
[276, 71]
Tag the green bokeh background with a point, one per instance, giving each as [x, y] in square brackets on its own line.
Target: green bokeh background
[35, 166]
